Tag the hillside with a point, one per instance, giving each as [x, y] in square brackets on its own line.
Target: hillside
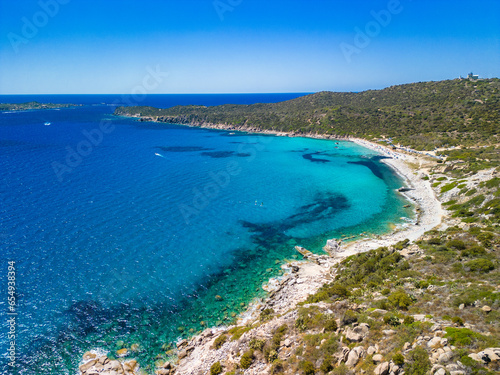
[424, 115]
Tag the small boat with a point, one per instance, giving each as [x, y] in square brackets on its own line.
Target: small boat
[47, 124]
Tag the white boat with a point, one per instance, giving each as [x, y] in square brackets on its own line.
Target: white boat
[47, 123]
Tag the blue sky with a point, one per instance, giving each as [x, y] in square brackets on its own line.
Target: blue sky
[228, 46]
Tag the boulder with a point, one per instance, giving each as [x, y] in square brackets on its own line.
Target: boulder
[353, 336]
[354, 355]
[377, 358]
[434, 342]
[382, 369]
[493, 354]
[89, 355]
[486, 309]
[87, 365]
[371, 350]
[333, 247]
[445, 357]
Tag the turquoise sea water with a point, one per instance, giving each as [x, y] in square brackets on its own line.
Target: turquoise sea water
[131, 240]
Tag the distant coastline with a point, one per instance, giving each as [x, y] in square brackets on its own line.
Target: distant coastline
[33, 106]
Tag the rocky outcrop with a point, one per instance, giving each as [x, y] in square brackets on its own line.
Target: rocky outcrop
[95, 365]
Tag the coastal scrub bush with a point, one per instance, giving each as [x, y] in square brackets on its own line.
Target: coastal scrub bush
[474, 293]
[391, 320]
[327, 364]
[474, 252]
[341, 370]
[216, 369]
[246, 359]
[219, 341]
[457, 321]
[277, 367]
[485, 238]
[480, 265]
[400, 299]
[349, 317]
[266, 314]
[418, 362]
[327, 292]
[256, 344]
[330, 324]
[331, 345]
[237, 332]
[408, 320]
[270, 349]
[307, 367]
[398, 359]
[464, 337]
[456, 244]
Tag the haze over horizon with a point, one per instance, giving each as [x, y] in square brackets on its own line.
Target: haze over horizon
[238, 46]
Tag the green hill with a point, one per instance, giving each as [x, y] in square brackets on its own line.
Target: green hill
[421, 115]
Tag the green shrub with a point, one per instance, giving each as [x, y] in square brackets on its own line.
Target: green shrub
[400, 299]
[219, 341]
[398, 359]
[434, 241]
[408, 320]
[456, 244]
[256, 344]
[391, 320]
[327, 364]
[277, 367]
[327, 292]
[331, 345]
[464, 337]
[422, 284]
[474, 252]
[216, 369]
[331, 325]
[476, 293]
[307, 367]
[457, 320]
[341, 370]
[266, 314]
[448, 187]
[246, 359]
[485, 238]
[385, 292]
[418, 362]
[480, 265]
[349, 317]
[237, 332]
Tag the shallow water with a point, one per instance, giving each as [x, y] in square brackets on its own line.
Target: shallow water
[159, 231]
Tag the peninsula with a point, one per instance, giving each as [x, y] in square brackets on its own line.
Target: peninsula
[33, 105]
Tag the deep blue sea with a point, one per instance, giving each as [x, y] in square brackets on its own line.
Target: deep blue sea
[141, 233]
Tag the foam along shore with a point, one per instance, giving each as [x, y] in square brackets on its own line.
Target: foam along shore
[302, 278]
